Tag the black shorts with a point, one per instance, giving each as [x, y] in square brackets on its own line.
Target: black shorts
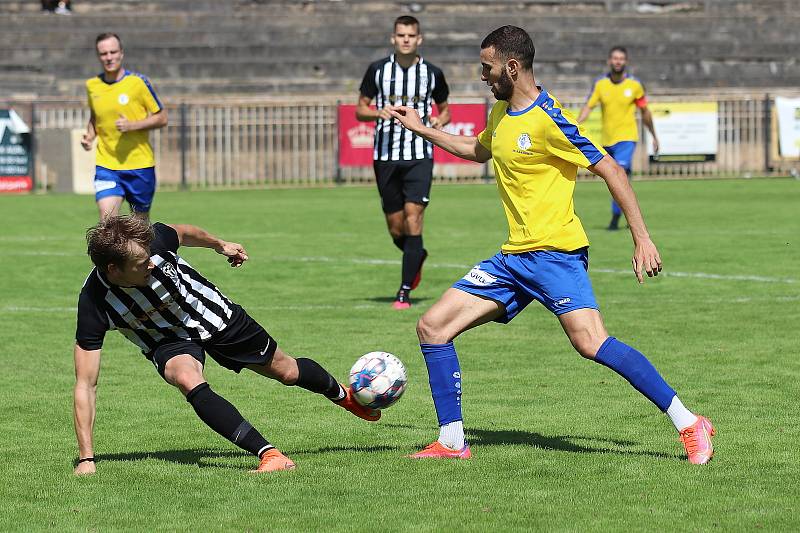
[403, 181]
[244, 342]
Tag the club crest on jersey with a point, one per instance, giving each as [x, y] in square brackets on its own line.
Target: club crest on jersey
[123, 99]
[168, 269]
[476, 276]
[524, 142]
[628, 93]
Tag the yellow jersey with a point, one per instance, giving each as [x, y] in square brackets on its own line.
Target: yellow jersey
[618, 102]
[536, 153]
[134, 98]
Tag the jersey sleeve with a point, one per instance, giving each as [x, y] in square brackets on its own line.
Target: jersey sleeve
[567, 140]
[440, 89]
[594, 95]
[166, 239]
[368, 87]
[92, 321]
[149, 96]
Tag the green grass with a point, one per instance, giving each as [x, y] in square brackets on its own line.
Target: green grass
[559, 443]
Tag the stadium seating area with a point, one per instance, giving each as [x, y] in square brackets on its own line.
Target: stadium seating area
[283, 47]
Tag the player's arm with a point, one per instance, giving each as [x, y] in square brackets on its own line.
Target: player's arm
[365, 113]
[193, 236]
[153, 121]
[647, 120]
[645, 255]
[584, 114]
[91, 132]
[87, 369]
[443, 118]
[462, 146]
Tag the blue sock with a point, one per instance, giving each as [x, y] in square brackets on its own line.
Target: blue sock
[634, 367]
[615, 208]
[444, 376]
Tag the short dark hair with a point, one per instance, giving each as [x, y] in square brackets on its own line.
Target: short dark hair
[512, 42]
[406, 20]
[109, 241]
[618, 49]
[107, 35]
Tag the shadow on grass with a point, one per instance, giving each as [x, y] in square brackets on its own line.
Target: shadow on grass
[202, 458]
[564, 443]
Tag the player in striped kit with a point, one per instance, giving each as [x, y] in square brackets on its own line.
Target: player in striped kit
[143, 288]
[403, 161]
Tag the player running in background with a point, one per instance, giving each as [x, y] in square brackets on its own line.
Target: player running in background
[124, 108]
[141, 287]
[536, 148]
[403, 161]
[619, 94]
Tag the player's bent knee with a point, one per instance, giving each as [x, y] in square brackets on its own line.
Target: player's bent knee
[587, 345]
[430, 332]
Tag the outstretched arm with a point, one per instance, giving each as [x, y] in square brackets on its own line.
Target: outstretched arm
[585, 112]
[645, 255]
[87, 369]
[193, 236]
[459, 145]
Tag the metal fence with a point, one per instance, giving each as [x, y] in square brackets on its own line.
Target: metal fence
[288, 143]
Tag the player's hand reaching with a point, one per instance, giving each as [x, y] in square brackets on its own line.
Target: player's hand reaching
[234, 252]
[409, 118]
[385, 112]
[646, 258]
[85, 468]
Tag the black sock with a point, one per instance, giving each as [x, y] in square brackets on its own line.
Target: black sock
[412, 259]
[311, 376]
[614, 221]
[221, 416]
[400, 242]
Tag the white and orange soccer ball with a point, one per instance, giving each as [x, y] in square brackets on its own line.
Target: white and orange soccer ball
[378, 379]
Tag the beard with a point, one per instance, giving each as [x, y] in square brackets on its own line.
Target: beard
[505, 87]
[618, 70]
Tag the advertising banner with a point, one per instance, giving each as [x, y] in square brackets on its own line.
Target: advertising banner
[355, 137]
[687, 132]
[788, 112]
[15, 153]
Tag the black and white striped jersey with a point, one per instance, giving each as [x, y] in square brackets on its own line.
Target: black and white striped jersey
[178, 302]
[417, 86]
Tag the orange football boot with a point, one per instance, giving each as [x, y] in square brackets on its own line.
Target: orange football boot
[349, 402]
[273, 460]
[437, 450]
[697, 441]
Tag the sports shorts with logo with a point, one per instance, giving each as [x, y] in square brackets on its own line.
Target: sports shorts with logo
[243, 342]
[137, 186]
[558, 280]
[403, 181]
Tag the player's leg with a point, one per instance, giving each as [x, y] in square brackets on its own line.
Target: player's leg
[417, 178]
[622, 152]
[181, 365]
[108, 192]
[140, 188]
[486, 293]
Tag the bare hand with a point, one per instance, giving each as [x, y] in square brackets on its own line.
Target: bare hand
[436, 123]
[655, 146]
[645, 257]
[385, 112]
[234, 252]
[123, 124]
[409, 118]
[86, 141]
[85, 469]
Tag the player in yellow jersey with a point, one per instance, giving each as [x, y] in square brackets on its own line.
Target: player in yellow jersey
[619, 94]
[124, 109]
[536, 148]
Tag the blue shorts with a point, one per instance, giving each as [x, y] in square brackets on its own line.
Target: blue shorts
[137, 186]
[559, 280]
[622, 152]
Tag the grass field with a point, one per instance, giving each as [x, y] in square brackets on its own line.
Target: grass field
[559, 443]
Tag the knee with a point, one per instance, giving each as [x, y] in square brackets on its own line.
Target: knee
[429, 331]
[186, 380]
[587, 343]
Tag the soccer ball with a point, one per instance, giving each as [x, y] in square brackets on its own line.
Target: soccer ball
[378, 379]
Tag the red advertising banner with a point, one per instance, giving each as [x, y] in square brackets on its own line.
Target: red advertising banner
[355, 138]
[12, 184]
